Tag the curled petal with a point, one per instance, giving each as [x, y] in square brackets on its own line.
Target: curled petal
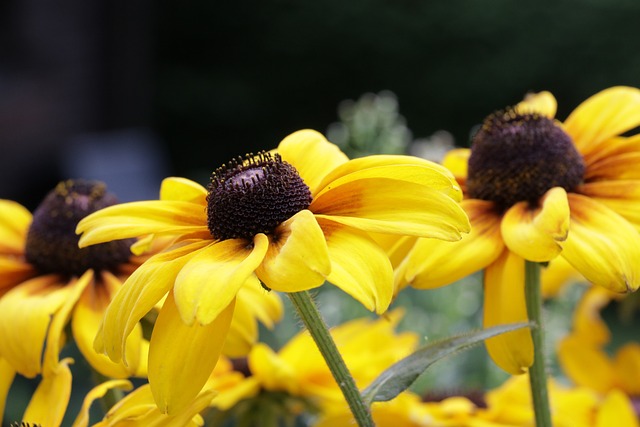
[534, 234]
[297, 258]
[602, 246]
[433, 263]
[49, 402]
[359, 266]
[82, 420]
[606, 114]
[504, 303]
[175, 188]
[543, 103]
[181, 356]
[312, 155]
[208, 282]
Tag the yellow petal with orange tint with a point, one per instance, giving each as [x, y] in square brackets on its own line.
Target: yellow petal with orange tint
[181, 356]
[209, 281]
[433, 263]
[621, 196]
[358, 266]
[535, 233]
[606, 114]
[297, 258]
[176, 188]
[312, 155]
[602, 246]
[14, 224]
[504, 303]
[543, 103]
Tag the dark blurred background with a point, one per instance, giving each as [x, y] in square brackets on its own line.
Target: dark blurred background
[130, 92]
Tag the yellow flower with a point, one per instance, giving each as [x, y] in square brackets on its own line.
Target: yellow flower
[536, 189]
[42, 270]
[288, 220]
[582, 353]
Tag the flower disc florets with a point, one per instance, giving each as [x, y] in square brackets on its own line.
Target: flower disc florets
[254, 195]
[519, 157]
[52, 244]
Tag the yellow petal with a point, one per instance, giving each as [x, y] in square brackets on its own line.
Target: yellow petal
[82, 420]
[617, 410]
[627, 366]
[606, 114]
[135, 219]
[585, 364]
[14, 271]
[393, 207]
[602, 245]
[457, 161]
[85, 323]
[14, 224]
[25, 315]
[504, 303]
[586, 318]
[208, 283]
[434, 263]
[140, 293]
[556, 275]
[621, 166]
[272, 370]
[175, 188]
[243, 332]
[49, 402]
[543, 103]
[7, 373]
[359, 266]
[611, 148]
[534, 233]
[181, 356]
[265, 306]
[297, 258]
[311, 154]
[621, 196]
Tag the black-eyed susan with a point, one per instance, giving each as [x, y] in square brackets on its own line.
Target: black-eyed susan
[287, 220]
[536, 189]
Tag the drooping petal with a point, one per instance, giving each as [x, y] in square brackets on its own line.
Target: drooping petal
[433, 263]
[82, 420]
[602, 245]
[25, 315]
[543, 103]
[358, 266]
[504, 303]
[181, 356]
[391, 166]
[14, 224]
[298, 257]
[140, 293]
[535, 233]
[312, 155]
[7, 373]
[621, 196]
[393, 207]
[135, 219]
[176, 188]
[208, 283]
[606, 114]
[586, 364]
[51, 398]
[617, 410]
[85, 323]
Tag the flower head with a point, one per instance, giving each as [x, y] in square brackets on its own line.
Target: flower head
[537, 189]
[287, 220]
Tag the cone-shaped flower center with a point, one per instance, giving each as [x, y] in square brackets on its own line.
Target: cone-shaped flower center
[52, 244]
[518, 157]
[253, 195]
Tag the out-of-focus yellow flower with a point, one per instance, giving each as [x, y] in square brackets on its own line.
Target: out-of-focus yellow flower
[289, 219]
[536, 189]
[583, 356]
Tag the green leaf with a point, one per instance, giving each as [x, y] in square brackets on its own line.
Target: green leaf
[399, 376]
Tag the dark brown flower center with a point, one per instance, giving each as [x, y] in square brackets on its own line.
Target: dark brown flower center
[519, 157]
[253, 195]
[52, 244]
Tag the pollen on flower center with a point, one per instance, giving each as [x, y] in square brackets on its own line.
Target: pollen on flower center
[52, 244]
[519, 157]
[253, 195]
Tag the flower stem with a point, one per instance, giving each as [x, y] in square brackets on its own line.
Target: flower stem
[312, 319]
[537, 372]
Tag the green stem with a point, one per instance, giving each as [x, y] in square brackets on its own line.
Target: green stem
[314, 322]
[537, 372]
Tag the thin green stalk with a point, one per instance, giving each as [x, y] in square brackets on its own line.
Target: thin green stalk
[319, 331]
[537, 372]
